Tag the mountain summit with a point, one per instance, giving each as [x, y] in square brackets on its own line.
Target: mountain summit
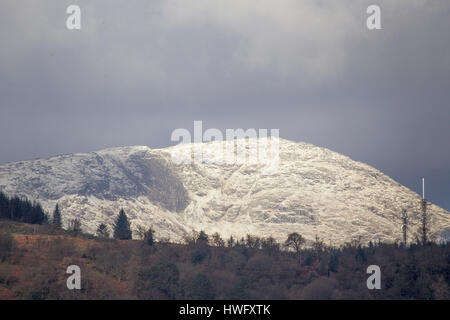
[314, 191]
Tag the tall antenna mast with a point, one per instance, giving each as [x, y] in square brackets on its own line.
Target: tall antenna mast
[423, 188]
[425, 218]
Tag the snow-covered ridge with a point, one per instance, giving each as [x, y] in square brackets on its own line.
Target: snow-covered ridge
[314, 191]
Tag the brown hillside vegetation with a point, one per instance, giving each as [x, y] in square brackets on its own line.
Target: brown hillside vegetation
[33, 264]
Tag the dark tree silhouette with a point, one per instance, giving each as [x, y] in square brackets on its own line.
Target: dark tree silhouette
[57, 218]
[22, 210]
[102, 231]
[122, 229]
[295, 241]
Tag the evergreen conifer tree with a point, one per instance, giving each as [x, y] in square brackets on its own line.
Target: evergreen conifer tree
[122, 229]
[57, 218]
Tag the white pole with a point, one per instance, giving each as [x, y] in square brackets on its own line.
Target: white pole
[423, 188]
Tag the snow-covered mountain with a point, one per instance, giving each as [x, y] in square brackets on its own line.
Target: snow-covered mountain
[314, 191]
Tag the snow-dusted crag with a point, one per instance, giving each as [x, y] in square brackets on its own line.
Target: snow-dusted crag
[314, 191]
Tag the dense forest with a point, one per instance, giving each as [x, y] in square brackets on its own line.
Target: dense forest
[21, 210]
[34, 260]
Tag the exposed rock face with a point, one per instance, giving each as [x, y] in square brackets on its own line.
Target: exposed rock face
[314, 191]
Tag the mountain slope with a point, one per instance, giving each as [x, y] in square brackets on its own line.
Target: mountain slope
[314, 191]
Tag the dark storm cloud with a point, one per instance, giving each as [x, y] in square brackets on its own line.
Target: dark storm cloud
[139, 69]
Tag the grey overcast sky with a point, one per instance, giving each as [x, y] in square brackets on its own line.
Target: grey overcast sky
[137, 70]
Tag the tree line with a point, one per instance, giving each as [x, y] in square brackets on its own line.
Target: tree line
[121, 227]
[21, 210]
[208, 266]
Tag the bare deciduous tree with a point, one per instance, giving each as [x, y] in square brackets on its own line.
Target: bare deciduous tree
[295, 241]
